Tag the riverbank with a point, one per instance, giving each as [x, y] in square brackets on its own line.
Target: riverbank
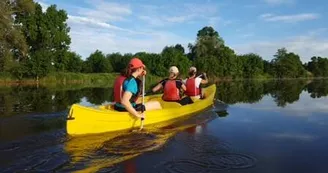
[105, 79]
[58, 79]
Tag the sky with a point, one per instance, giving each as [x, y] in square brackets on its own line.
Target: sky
[247, 26]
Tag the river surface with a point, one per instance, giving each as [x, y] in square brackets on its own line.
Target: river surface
[254, 126]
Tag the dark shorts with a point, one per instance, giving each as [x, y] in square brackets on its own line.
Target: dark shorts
[138, 107]
[184, 101]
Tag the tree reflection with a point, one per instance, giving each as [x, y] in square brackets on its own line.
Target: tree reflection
[287, 91]
[98, 96]
[32, 99]
[318, 88]
[251, 91]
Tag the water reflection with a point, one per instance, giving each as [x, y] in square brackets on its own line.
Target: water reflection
[283, 91]
[32, 99]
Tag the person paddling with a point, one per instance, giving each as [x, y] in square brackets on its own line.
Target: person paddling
[193, 83]
[118, 84]
[171, 87]
[131, 91]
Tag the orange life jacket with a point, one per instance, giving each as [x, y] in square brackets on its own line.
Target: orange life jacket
[192, 89]
[171, 91]
[118, 90]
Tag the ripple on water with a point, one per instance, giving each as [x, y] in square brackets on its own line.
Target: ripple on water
[134, 143]
[206, 144]
[209, 155]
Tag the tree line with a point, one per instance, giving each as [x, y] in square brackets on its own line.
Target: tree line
[35, 42]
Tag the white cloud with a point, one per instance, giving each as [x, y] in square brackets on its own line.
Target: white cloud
[279, 2]
[43, 4]
[165, 15]
[179, 19]
[289, 18]
[86, 40]
[105, 11]
[90, 22]
[305, 46]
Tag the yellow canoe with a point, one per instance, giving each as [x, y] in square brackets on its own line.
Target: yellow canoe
[90, 120]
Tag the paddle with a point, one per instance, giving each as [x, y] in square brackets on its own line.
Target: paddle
[143, 100]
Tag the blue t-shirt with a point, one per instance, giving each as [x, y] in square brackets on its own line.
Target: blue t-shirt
[130, 85]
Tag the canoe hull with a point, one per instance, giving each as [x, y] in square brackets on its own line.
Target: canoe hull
[88, 120]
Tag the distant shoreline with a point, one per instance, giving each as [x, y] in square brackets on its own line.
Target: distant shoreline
[106, 79]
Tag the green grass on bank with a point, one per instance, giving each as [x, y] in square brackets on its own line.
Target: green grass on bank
[78, 80]
[71, 80]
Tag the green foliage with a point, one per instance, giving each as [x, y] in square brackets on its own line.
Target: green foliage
[253, 65]
[47, 36]
[74, 62]
[12, 43]
[97, 63]
[118, 61]
[318, 66]
[171, 56]
[287, 65]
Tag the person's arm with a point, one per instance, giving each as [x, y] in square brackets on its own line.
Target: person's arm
[205, 80]
[183, 86]
[127, 105]
[157, 87]
[180, 85]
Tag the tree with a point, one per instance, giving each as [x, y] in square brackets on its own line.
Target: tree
[98, 63]
[118, 61]
[206, 51]
[46, 32]
[252, 65]
[154, 63]
[287, 65]
[39, 65]
[74, 62]
[180, 48]
[12, 42]
[174, 57]
[318, 66]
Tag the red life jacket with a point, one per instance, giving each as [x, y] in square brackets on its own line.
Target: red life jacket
[171, 91]
[118, 90]
[192, 89]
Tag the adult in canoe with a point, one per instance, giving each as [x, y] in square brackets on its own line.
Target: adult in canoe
[172, 87]
[193, 82]
[131, 91]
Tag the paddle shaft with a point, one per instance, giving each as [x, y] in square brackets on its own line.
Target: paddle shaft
[143, 100]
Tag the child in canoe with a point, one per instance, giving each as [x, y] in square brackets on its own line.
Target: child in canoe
[193, 83]
[172, 87]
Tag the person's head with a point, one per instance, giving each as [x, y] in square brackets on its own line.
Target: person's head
[192, 71]
[136, 67]
[174, 72]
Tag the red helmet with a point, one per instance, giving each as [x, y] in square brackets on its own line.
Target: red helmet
[136, 63]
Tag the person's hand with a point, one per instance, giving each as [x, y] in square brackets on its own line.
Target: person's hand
[140, 115]
[144, 73]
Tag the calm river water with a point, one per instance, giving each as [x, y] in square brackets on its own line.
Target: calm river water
[264, 126]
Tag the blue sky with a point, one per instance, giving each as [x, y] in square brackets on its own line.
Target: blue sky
[258, 26]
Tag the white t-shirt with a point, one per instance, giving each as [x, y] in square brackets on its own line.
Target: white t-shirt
[198, 80]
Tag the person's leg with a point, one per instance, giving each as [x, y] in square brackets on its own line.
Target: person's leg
[186, 100]
[153, 105]
[120, 109]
